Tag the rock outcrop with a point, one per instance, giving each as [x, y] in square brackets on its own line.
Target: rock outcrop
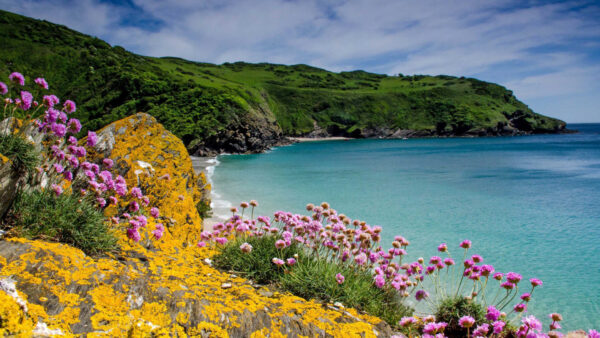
[167, 288]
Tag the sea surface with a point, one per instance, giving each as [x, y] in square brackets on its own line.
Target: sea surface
[529, 204]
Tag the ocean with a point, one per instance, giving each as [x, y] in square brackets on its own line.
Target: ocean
[529, 204]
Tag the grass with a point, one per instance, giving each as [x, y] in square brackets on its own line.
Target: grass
[64, 219]
[311, 278]
[201, 102]
[450, 310]
[22, 153]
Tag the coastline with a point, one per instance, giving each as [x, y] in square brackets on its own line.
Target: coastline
[207, 165]
[314, 139]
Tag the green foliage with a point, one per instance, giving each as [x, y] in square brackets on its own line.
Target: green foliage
[315, 278]
[310, 278]
[41, 215]
[257, 264]
[450, 310]
[197, 101]
[22, 153]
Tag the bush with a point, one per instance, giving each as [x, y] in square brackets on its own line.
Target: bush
[310, 278]
[450, 310]
[22, 153]
[64, 219]
[257, 264]
[316, 279]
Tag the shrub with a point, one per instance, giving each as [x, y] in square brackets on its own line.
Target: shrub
[22, 153]
[316, 279]
[257, 264]
[64, 218]
[450, 310]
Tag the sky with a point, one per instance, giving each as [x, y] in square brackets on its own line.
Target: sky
[547, 52]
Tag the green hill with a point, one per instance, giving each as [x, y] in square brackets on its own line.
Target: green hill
[240, 107]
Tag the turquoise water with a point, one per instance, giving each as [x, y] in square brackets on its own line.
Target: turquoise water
[529, 204]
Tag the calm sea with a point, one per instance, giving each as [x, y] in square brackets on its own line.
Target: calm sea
[530, 204]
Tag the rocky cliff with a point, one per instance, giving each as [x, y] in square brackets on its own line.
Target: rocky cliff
[167, 288]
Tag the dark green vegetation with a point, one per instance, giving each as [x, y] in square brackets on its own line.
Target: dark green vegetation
[23, 155]
[64, 219]
[450, 310]
[243, 107]
[311, 278]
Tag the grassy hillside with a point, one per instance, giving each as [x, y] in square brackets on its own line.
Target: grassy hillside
[245, 107]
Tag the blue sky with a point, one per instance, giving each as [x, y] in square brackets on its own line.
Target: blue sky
[547, 52]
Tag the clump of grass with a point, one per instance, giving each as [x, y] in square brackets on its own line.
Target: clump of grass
[22, 153]
[309, 277]
[316, 279]
[63, 218]
[256, 264]
[450, 310]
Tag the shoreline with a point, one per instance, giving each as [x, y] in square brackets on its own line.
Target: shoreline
[315, 139]
[207, 164]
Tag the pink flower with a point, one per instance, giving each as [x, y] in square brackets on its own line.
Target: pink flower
[498, 326]
[159, 229]
[133, 234]
[406, 321]
[50, 100]
[555, 326]
[520, 307]
[340, 278]
[101, 202]
[136, 192]
[593, 334]
[17, 78]
[58, 168]
[92, 139]
[535, 282]
[448, 261]
[508, 285]
[379, 281]
[246, 247]
[57, 189]
[526, 296]
[498, 276]
[113, 200]
[557, 317]
[442, 247]
[26, 100]
[69, 107]
[221, 240]
[244, 205]
[201, 244]
[466, 244]
[145, 201]
[74, 126]
[277, 261]
[3, 88]
[154, 212]
[58, 129]
[481, 330]
[41, 82]
[532, 323]
[477, 258]
[466, 322]
[108, 163]
[421, 294]
[513, 277]
[492, 313]
[435, 260]
[360, 259]
[486, 270]
[290, 261]
[134, 206]
[280, 244]
[68, 175]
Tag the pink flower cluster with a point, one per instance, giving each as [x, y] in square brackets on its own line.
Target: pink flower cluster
[65, 160]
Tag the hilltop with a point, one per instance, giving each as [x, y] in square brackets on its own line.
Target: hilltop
[242, 107]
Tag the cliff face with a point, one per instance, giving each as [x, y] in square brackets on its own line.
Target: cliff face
[167, 287]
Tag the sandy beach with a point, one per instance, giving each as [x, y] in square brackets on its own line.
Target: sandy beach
[313, 139]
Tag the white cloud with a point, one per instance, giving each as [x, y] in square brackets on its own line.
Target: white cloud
[534, 49]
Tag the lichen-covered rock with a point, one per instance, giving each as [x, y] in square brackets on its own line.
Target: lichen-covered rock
[170, 291]
[148, 155]
[166, 289]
